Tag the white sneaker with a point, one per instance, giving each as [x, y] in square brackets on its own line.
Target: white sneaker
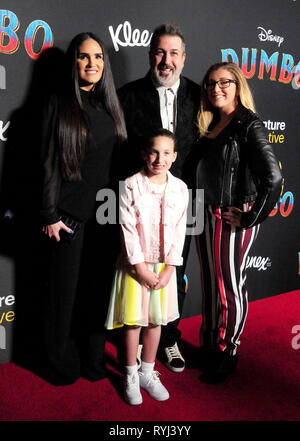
[139, 356]
[132, 391]
[152, 384]
[175, 361]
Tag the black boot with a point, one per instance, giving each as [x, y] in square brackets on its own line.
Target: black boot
[224, 365]
[207, 358]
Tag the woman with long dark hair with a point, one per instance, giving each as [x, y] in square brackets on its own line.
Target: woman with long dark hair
[242, 181]
[83, 127]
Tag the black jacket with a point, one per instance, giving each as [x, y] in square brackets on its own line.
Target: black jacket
[140, 102]
[239, 166]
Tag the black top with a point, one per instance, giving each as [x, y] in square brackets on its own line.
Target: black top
[212, 165]
[77, 199]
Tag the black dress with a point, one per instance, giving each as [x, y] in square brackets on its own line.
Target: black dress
[79, 270]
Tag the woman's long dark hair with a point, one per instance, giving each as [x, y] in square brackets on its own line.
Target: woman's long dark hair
[72, 126]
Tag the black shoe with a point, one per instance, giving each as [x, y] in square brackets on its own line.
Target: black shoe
[172, 358]
[225, 365]
[207, 358]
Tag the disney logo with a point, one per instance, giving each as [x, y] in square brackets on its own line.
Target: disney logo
[267, 36]
[130, 38]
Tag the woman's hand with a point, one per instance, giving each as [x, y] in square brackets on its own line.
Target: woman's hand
[146, 277]
[54, 229]
[233, 216]
[165, 276]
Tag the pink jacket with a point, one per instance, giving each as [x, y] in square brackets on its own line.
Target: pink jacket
[141, 217]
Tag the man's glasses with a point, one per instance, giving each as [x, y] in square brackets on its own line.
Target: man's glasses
[223, 84]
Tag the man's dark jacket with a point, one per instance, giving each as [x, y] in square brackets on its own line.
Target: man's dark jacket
[140, 102]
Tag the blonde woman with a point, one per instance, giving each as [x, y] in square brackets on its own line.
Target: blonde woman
[242, 181]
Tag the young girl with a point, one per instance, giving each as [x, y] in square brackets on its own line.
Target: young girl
[153, 207]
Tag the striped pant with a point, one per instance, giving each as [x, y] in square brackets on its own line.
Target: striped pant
[223, 251]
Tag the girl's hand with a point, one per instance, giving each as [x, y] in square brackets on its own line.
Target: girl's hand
[165, 276]
[54, 229]
[146, 277]
[233, 216]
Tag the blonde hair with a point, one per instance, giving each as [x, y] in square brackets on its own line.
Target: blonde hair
[207, 112]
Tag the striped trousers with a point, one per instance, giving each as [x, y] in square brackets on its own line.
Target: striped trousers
[223, 251]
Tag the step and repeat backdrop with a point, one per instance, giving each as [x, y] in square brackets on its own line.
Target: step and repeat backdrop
[261, 37]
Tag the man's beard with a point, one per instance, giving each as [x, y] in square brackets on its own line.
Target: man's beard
[159, 80]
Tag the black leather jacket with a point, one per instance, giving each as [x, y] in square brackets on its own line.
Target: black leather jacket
[239, 166]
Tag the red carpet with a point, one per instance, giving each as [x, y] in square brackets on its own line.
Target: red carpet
[266, 385]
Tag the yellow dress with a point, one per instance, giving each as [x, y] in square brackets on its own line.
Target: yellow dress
[135, 305]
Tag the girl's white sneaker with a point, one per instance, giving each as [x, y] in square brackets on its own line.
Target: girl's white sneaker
[132, 391]
[152, 384]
